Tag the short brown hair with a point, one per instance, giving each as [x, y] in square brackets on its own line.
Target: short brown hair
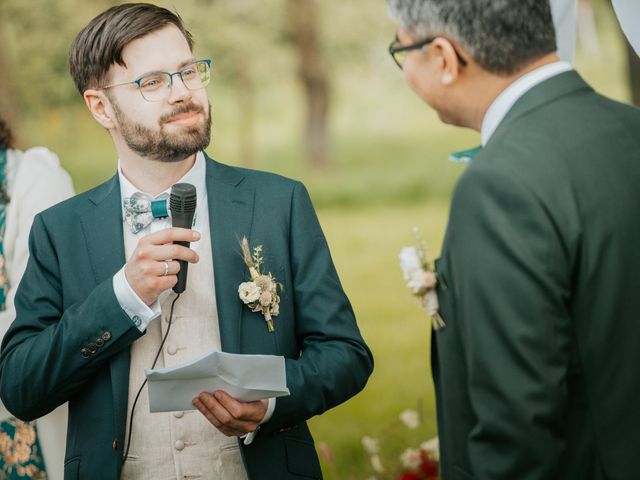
[99, 45]
[6, 138]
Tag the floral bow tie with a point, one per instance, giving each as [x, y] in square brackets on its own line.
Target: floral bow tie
[140, 210]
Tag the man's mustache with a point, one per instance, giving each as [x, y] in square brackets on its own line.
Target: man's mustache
[179, 110]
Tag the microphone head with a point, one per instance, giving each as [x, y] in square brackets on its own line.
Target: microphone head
[183, 199]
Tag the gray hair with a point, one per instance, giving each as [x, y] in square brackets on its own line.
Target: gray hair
[502, 36]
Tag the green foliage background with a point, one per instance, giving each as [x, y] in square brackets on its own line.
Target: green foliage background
[389, 168]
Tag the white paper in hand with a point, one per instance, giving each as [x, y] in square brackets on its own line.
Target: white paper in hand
[245, 377]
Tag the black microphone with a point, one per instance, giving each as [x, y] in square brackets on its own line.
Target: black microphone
[182, 203]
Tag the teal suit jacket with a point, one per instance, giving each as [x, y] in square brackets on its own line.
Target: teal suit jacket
[66, 301]
[537, 371]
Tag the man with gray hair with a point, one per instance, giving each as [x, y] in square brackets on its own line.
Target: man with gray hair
[536, 367]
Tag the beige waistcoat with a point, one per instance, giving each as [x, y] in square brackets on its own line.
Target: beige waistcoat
[180, 445]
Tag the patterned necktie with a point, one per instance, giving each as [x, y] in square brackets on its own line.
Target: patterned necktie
[140, 210]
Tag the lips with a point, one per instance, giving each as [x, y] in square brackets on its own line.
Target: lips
[183, 115]
[184, 118]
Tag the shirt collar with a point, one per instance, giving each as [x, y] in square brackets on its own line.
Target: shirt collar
[509, 96]
[195, 176]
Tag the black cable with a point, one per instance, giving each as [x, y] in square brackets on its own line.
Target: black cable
[126, 452]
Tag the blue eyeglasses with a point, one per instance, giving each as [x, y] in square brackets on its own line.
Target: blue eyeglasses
[156, 86]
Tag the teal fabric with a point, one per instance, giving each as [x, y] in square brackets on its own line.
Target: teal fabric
[537, 369]
[66, 301]
[464, 156]
[20, 454]
[4, 200]
[159, 208]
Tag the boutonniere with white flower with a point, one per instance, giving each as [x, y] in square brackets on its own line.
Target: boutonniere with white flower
[260, 294]
[420, 275]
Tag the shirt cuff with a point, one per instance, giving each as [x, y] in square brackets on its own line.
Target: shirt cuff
[248, 438]
[139, 313]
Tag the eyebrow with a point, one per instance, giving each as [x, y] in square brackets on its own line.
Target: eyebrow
[180, 66]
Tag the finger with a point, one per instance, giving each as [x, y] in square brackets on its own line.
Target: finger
[164, 252]
[166, 268]
[215, 421]
[225, 417]
[172, 234]
[247, 411]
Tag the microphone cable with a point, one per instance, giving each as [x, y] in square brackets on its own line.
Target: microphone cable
[155, 360]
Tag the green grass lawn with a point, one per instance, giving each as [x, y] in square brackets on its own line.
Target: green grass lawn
[365, 244]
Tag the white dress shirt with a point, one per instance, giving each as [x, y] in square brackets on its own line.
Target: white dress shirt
[510, 95]
[135, 308]
[138, 311]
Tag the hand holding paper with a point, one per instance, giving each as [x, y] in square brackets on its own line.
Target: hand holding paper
[244, 377]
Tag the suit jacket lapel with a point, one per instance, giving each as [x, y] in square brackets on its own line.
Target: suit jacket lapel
[230, 218]
[102, 226]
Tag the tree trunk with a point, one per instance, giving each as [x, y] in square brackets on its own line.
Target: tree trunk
[634, 74]
[314, 78]
[246, 104]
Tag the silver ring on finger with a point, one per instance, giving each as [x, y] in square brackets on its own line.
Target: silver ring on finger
[166, 269]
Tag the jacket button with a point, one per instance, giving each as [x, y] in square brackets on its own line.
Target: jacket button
[99, 341]
[179, 445]
[85, 352]
[106, 336]
[115, 444]
[92, 347]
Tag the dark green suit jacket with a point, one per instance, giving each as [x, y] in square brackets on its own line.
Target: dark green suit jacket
[66, 301]
[537, 371]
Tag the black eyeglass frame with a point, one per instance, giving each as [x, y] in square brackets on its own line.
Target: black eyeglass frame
[395, 48]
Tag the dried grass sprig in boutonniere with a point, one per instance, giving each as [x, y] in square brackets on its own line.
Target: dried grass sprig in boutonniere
[261, 293]
[420, 275]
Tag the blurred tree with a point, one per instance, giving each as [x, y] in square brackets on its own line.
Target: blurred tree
[246, 46]
[312, 71]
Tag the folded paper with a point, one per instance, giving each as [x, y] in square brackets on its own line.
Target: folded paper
[245, 377]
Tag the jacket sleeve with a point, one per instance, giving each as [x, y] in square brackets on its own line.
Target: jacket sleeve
[510, 267]
[51, 350]
[334, 363]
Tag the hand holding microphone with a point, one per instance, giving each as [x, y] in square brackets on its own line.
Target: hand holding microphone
[149, 270]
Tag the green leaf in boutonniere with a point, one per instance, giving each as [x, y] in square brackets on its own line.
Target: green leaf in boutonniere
[261, 292]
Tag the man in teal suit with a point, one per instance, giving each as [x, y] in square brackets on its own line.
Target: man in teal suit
[536, 369]
[94, 302]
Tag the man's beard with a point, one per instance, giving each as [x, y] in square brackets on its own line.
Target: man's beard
[159, 145]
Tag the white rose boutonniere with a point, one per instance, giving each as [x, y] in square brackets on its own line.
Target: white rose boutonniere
[261, 294]
[421, 278]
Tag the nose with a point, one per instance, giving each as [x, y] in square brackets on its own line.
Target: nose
[179, 91]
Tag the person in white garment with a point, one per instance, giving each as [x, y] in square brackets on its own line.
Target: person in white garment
[32, 181]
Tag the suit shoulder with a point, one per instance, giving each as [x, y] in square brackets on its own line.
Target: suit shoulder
[260, 179]
[72, 207]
